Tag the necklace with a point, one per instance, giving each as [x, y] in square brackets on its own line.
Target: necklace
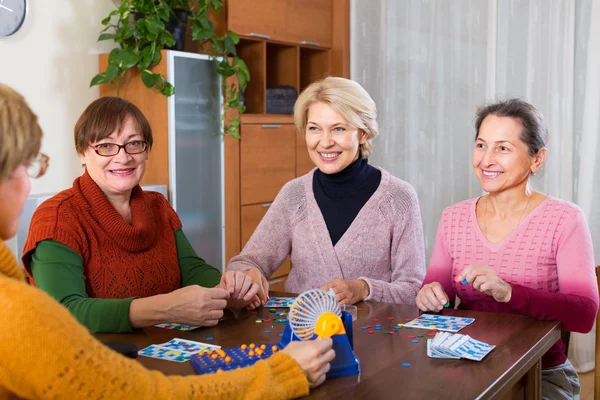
[520, 218]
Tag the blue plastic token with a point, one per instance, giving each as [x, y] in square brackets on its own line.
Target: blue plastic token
[209, 338]
[405, 365]
[415, 340]
[464, 282]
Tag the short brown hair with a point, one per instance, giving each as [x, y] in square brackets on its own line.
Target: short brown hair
[348, 99]
[535, 129]
[106, 115]
[20, 133]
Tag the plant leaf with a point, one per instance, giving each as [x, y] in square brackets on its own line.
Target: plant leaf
[229, 46]
[167, 89]
[106, 36]
[114, 55]
[97, 80]
[150, 79]
[111, 72]
[128, 58]
[217, 5]
[234, 36]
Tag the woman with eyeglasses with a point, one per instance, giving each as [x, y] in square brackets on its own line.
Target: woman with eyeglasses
[46, 354]
[114, 255]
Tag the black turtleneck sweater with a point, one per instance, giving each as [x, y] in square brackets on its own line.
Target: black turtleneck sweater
[341, 196]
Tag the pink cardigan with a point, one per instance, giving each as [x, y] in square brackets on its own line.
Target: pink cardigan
[383, 246]
[548, 259]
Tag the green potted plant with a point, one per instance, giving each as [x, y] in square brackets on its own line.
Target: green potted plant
[141, 30]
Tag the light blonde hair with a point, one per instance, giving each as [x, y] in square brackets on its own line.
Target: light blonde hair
[347, 98]
[20, 133]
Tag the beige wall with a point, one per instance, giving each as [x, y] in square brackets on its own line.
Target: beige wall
[51, 61]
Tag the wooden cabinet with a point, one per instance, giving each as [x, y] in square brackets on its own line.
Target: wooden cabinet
[309, 22]
[251, 217]
[267, 161]
[303, 161]
[258, 18]
[305, 22]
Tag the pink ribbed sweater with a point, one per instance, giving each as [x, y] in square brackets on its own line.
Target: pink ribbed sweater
[383, 245]
[548, 259]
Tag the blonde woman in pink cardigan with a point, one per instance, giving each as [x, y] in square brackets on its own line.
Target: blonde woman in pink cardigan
[516, 250]
[347, 225]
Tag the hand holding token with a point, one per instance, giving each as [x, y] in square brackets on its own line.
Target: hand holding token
[484, 279]
[348, 291]
[432, 297]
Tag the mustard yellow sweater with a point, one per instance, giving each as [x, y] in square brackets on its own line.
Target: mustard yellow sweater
[46, 354]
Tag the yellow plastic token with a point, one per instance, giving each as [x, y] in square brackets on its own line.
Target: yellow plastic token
[243, 347]
[219, 370]
[274, 349]
[209, 352]
[214, 356]
[201, 353]
[252, 345]
[263, 346]
[227, 359]
[250, 353]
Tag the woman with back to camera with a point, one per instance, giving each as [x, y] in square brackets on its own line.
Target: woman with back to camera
[348, 226]
[519, 251]
[46, 354]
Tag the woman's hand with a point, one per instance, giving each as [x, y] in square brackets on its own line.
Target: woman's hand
[196, 305]
[314, 357]
[348, 291]
[432, 297]
[262, 296]
[242, 290]
[484, 279]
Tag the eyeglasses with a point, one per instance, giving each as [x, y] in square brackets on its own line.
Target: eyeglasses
[112, 149]
[38, 166]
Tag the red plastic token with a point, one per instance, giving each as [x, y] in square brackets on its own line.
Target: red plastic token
[412, 337]
[267, 320]
[407, 319]
[370, 332]
[431, 334]
[375, 320]
[369, 326]
[390, 318]
[391, 332]
[254, 312]
[435, 330]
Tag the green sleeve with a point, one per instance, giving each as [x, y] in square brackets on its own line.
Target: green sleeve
[58, 270]
[194, 270]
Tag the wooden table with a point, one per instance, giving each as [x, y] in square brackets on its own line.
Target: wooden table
[511, 371]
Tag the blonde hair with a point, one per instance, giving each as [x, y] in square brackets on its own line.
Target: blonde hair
[20, 133]
[347, 98]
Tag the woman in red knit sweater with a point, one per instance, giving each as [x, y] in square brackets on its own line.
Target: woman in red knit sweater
[46, 354]
[113, 254]
[516, 250]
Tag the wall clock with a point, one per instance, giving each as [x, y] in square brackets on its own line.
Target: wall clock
[12, 16]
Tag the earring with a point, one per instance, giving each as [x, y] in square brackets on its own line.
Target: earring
[533, 171]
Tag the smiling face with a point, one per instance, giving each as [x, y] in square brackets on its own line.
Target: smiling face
[119, 174]
[332, 143]
[501, 159]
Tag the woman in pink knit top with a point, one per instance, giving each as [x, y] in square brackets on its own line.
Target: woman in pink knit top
[347, 226]
[516, 250]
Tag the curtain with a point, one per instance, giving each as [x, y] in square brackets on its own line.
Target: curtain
[429, 63]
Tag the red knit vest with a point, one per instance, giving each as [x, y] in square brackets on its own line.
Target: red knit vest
[119, 260]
